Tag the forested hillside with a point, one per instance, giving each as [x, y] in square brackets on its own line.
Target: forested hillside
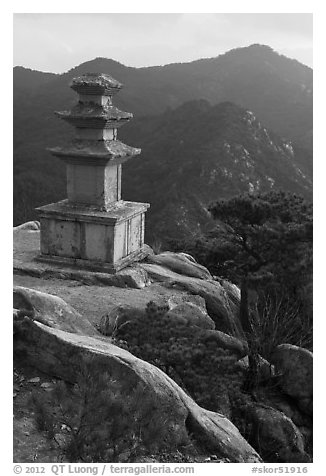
[196, 152]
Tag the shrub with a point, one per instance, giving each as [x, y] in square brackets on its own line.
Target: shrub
[280, 320]
[101, 420]
[263, 242]
[205, 371]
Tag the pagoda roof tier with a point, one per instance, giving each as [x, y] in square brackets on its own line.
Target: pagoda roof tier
[96, 116]
[107, 150]
[96, 84]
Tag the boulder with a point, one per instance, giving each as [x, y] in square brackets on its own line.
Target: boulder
[15, 316]
[188, 308]
[174, 300]
[187, 312]
[51, 311]
[226, 342]
[307, 433]
[289, 407]
[180, 263]
[232, 291]
[59, 353]
[294, 367]
[191, 314]
[274, 435]
[28, 226]
[131, 277]
[222, 298]
[265, 369]
[117, 316]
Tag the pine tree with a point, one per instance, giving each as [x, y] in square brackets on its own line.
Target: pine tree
[269, 236]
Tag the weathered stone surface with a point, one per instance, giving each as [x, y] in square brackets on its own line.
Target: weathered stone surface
[100, 240]
[224, 341]
[232, 290]
[52, 311]
[106, 150]
[191, 314]
[222, 299]
[181, 263]
[96, 84]
[60, 353]
[289, 407]
[111, 321]
[34, 380]
[29, 226]
[294, 365]
[26, 249]
[275, 436]
[132, 277]
[15, 316]
[174, 300]
[265, 369]
[119, 315]
[187, 308]
[307, 433]
[94, 228]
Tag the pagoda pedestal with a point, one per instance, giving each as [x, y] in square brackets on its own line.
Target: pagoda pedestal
[94, 228]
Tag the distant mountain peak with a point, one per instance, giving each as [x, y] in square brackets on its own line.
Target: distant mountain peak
[261, 47]
[99, 65]
[106, 60]
[204, 127]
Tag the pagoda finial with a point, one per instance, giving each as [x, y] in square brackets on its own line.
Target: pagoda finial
[94, 116]
[96, 84]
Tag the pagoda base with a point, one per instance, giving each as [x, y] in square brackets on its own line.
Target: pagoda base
[97, 266]
[85, 237]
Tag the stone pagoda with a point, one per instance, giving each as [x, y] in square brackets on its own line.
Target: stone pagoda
[93, 228]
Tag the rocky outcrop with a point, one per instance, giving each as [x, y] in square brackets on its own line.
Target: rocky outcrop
[28, 226]
[294, 366]
[183, 308]
[61, 352]
[265, 369]
[180, 263]
[131, 277]
[118, 316]
[278, 400]
[55, 338]
[274, 435]
[51, 310]
[185, 312]
[192, 315]
[222, 298]
[224, 341]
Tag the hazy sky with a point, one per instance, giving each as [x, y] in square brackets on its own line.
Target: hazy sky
[57, 42]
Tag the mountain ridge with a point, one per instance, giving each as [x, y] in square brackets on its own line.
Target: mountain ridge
[40, 178]
[257, 46]
[249, 76]
[198, 153]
